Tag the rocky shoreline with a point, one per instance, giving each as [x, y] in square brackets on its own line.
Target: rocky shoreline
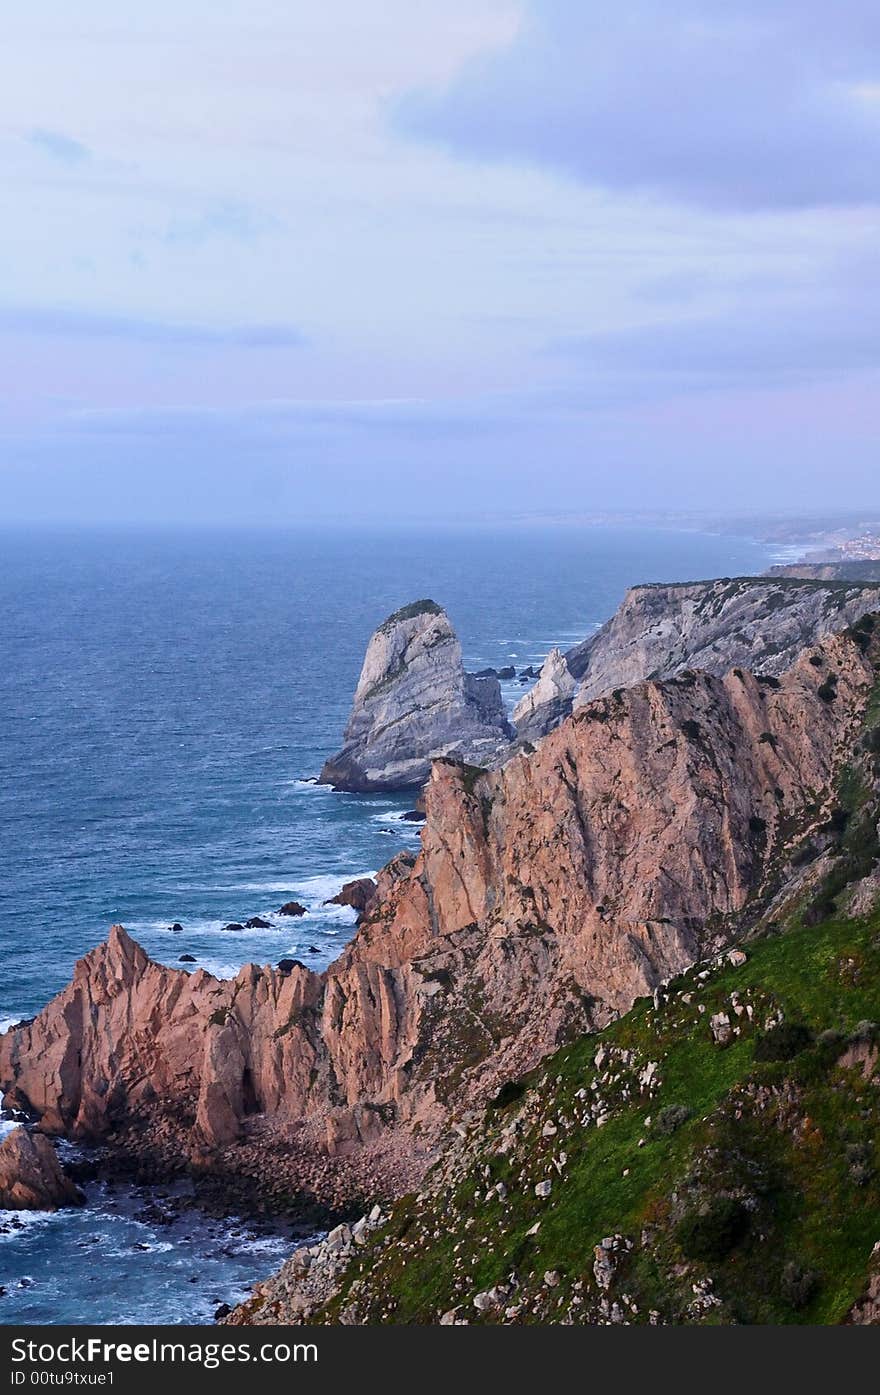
[647, 831]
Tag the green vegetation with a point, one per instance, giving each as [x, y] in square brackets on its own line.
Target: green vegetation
[409, 612]
[758, 1175]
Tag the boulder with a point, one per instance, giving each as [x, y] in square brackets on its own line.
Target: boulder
[414, 702]
[256, 922]
[292, 908]
[31, 1177]
[359, 894]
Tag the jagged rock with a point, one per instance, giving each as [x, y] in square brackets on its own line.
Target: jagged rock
[292, 908]
[549, 702]
[557, 890]
[721, 1029]
[256, 922]
[31, 1177]
[187, 959]
[360, 894]
[414, 701]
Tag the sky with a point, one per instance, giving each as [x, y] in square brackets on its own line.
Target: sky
[275, 262]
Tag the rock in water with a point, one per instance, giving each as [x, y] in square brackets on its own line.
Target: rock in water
[549, 702]
[31, 1178]
[359, 894]
[413, 702]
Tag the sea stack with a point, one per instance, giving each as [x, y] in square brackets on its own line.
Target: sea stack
[414, 702]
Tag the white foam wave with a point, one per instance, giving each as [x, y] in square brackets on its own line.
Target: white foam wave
[13, 1224]
[398, 816]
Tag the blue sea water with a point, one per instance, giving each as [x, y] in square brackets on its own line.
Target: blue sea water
[165, 701]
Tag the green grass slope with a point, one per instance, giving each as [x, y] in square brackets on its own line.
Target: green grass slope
[698, 1171]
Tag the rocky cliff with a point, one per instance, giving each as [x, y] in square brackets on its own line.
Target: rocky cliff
[413, 702]
[711, 1158]
[857, 569]
[549, 702]
[755, 622]
[31, 1177]
[548, 895]
[659, 630]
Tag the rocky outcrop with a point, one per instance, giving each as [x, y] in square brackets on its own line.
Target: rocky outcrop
[359, 894]
[549, 702]
[658, 630]
[414, 702]
[31, 1177]
[713, 626]
[547, 896]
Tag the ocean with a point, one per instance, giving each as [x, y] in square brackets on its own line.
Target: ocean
[166, 700]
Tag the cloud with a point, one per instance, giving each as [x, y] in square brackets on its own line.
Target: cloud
[83, 324]
[770, 336]
[414, 419]
[738, 104]
[59, 146]
[226, 220]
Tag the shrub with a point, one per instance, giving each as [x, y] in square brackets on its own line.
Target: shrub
[783, 1042]
[691, 730]
[827, 691]
[798, 1285]
[804, 854]
[757, 825]
[713, 1231]
[838, 821]
[671, 1118]
[830, 1039]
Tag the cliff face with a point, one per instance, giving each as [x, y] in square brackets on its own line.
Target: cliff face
[710, 1158]
[414, 701]
[857, 569]
[548, 895]
[753, 622]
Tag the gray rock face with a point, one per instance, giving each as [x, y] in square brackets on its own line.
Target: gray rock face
[755, 622]
[413, 702]
[549, 702]
[758, 623]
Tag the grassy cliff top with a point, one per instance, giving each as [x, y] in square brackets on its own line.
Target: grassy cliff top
[734, 1165]
[409, 612]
